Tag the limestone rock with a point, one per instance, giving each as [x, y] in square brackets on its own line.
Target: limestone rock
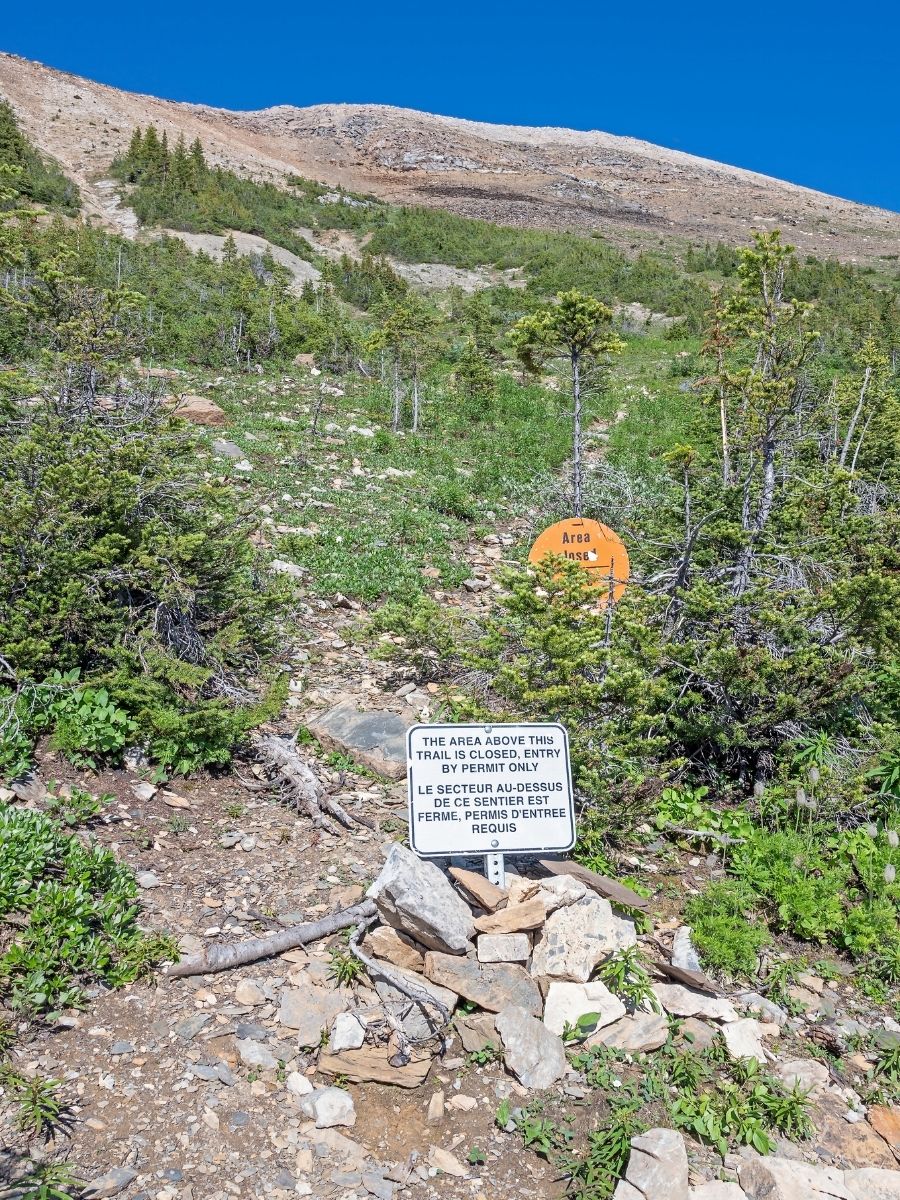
[685, 1002]
[844, 1143]
[376, 740]
[443, 1160]
[637, 1034]
[744, 1039]
[566, 1002]
[435, 1113]
[416, 896]
[683, 953]
[578, 937]
[775, 1178]
[418, 1021]
[248, 992]
[658, 1165]
[110, 1184]
[810, 1075]
[225, 449]
[560, 890]
[504, 947]
[347, 1033]
[310, 1010]
[199, 410]
[394, 947]
[479, 889]
[298, 1084]
[515, 918]
[761, 1005]
[370, 1064]
[716, 1189]
[476, 1031]
[329, 1107]
[696, 1035]
[603, 886]
[870, 1183]
[887, 1122]
[492, 986]
[534, 1054]
[255, 1054]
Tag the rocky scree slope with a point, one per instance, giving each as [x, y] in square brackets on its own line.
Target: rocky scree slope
[633, 192]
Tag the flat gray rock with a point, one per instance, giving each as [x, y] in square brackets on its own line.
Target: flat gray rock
[417, 898]
[684, 1002]
[578, 937]
[683, 953]
[110, 1184]
[658, 1166]
[535, 1056]
[492, 986]
[226, 449]
[255, 1054]
[636, 1034]
[310, 1010]
[329, 1106]
[567, 1002]
[476, 1031]
[376, 740]
[775, 1178]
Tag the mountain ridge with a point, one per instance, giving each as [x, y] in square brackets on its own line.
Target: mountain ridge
[628, 190]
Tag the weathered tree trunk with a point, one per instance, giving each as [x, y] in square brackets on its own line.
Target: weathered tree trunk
[415, 401]
[238, 954]
[395, 411]
[577, 499]
[851, 428]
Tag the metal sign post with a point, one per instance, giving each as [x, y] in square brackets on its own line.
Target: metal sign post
[495, 869]
[489, 791]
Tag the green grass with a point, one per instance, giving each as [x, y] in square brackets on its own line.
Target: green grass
[379, 509]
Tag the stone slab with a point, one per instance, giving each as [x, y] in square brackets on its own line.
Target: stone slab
[376, 740]
[492, 986]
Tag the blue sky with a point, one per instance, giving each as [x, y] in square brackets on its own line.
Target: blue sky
[799, 90]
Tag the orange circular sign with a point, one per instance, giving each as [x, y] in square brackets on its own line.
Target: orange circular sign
[594, 546]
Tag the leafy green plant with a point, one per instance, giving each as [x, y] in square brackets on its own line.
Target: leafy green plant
[89, 727]
[344, 968]
[41, 1110]
[75, 806]
[623, 972]
[488, 1054]
[725, 926]
[687, 808]
[46, 1181]
[75, 915]
[583, 1028]
[594, 1175]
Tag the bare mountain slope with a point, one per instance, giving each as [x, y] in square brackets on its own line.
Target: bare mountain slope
[628, 190]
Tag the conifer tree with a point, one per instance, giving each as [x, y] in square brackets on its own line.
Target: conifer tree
[576, 328]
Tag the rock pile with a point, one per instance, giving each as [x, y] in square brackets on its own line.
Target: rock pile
[524, 955]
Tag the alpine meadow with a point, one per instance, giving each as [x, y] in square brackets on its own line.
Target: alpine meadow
[275, 445]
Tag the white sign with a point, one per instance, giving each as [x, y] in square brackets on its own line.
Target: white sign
[489, 789]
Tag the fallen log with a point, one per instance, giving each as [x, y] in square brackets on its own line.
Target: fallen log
[281, 757]
[238, 954]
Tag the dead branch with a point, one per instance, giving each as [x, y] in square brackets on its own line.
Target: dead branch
[416, 994]
[238, 954]
[304, 786]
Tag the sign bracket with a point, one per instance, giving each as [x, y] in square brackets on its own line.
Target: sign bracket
[495, 869]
